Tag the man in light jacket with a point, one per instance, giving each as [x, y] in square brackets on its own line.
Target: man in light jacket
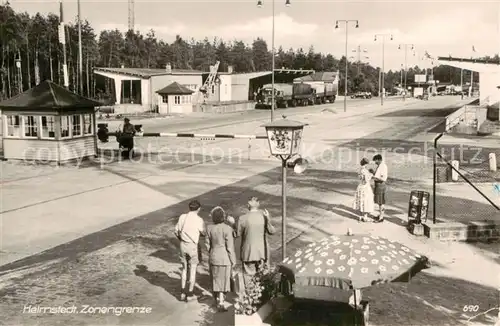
[188, 230]
[253, 228]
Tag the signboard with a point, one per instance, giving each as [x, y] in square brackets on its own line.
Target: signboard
[420, 78]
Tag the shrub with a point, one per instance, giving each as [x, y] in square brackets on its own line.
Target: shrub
[261, 288]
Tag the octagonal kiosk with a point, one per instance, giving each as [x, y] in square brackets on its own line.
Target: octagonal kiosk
[48, 123]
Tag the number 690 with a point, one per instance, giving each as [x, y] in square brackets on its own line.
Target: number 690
[471, 308]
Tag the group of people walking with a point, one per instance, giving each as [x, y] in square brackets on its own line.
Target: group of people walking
[252, 227]
[367, 197]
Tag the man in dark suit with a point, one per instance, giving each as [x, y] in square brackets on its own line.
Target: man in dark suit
[253, 228]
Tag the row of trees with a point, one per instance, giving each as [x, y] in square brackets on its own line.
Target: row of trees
[33, 42]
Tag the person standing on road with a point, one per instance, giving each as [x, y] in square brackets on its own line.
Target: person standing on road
[222, 259]
[380, 179]
[364, 197]
[253, 229]
[188, 230]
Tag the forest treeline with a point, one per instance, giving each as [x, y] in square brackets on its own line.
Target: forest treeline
[33, 41]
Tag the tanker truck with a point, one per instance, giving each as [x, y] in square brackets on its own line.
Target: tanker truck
[285, 95]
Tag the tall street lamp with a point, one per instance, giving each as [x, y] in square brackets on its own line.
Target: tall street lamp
[359, 56]
[346, 22]
[284, 138]
[405, 47]
[273, 52]
[382, 90]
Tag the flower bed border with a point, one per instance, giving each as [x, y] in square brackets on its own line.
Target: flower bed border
[257, 318]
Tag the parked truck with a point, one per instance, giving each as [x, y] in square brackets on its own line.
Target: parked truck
[285, 95]
[323, 91]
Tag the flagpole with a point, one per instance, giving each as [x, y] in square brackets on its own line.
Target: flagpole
[62, 40]
[80, 54]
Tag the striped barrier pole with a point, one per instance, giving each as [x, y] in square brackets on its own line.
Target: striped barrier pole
[202, 137]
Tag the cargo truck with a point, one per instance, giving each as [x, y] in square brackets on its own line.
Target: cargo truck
[285, 95]
[323, 91]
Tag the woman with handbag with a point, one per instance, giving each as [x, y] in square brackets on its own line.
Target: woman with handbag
[222, 258]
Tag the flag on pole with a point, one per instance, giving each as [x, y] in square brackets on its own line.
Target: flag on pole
[62, 33]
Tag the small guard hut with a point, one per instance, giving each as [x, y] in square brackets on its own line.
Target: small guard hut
[175, 98]
[48, 123]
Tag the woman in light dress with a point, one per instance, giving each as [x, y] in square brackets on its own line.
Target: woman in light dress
[364, 198]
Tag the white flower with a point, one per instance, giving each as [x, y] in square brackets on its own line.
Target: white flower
[317, 270]
[298, 253]
[365, 247]
[405, 249]
[327, 247]
[323, 240]
[374, 237]
[323, 254]
[364, 270]
[381, 242]
[413, 257]
[341, 268]
[392, 241]
[346, 243]
[405, 261]
[384, 246]
[302, 270]
[417, 255]
[386, 259]
[357, 251]
[337, 251]
[324, 243]
[308, 250]
[362, 259]
[330, 262]
[354, 240]
[402, 253]
[329, 271]
[382, 268]
[395, 267]
[352, 261]
[392, 246]
[342, 257]
[311, 258]
[374, 261]
[298, 265]
[334, 237]
[371, 253]
[394, 252]
[312, 244]
[285, 260]
[380, 248]
[297, 260]
[318, 248]
[336, 243]
[317, 262]
[366, 239]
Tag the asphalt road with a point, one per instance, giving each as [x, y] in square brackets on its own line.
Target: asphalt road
[199, 122]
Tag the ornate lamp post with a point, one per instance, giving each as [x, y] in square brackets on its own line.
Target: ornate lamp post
[273, 53]
[346, 22]
[382, 90]
[284, 138]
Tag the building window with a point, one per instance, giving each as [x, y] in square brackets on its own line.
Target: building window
[87, 124]
[65, 127]
[164, 98]
[13, 126]
[30, 127]
[77, 125]
[177, 99]
[213, 89]
[48, 127]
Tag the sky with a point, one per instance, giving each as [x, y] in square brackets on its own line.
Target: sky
[441, 28]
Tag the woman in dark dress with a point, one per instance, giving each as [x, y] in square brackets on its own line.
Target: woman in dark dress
[222, 259]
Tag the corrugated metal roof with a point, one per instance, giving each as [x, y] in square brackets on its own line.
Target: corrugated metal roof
[175, 89]
[147, 72]
[48, 95]
[325, 76]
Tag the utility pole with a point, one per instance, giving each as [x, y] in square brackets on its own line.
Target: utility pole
[346, 22]
[382, 36]
[80, 51]
[405, 46]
